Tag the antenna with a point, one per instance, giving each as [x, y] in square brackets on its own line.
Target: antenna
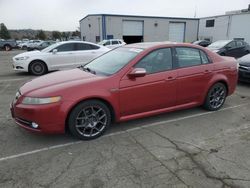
[195, 11]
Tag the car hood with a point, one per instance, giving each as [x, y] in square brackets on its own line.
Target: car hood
[31, 53]
[55, 80]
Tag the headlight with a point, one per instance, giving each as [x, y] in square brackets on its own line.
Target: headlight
[22, 58]
[33, 100]
[17, 96]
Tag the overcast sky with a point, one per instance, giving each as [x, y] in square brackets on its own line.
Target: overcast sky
[64, 15]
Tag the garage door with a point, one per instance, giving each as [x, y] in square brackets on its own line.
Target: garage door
[176, 32]
[133, 28]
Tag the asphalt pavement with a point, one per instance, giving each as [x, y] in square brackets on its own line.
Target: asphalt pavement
[188, 148]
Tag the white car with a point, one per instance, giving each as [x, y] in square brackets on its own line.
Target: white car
[30, 43]
[62, 55]
[112, 43]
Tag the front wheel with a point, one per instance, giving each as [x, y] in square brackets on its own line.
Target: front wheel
[89, 119]
[216, 97]
[38, 68]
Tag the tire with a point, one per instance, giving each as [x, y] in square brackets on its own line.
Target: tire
[7, 47]
[222, 54]
[38, 68]
[89, 120]
[216, 97]
[24, 47]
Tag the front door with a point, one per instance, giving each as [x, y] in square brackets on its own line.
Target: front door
[63, 58]
[154, 91]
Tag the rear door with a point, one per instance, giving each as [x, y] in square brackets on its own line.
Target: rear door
[194, 71]
[86, 52]
[154, 91]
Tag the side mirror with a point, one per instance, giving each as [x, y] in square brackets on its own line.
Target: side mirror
[54, 51]
[137, 72]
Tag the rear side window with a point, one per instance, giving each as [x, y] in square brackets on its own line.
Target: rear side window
[81, 47]
[187, 57]
[204, 58]
[239, 43]
[94, 47]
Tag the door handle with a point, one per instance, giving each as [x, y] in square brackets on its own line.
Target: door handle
[207, 71]
[170, 78]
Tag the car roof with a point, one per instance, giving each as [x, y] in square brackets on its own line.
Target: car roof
[147, 45]
[84, 42]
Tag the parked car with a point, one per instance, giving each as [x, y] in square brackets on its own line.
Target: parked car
[58, 56]
[126, 83]
[244, 68]
[7, 45]
[112, 43]
[30, 43]
[233, 48]
[41, 45]
[203, 43]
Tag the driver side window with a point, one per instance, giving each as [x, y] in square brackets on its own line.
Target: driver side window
[66, 47]
[157, 61]
[231, 45]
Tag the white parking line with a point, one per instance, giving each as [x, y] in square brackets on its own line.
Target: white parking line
[117, 133]
[15, 79]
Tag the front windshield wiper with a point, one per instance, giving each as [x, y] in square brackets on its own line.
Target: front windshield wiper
[87, 69]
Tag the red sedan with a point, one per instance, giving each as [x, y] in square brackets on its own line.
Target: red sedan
[130, 82]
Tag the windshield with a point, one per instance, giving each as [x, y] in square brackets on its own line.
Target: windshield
[113, 61]
[102, 42]
[50, 47]
[219, 44]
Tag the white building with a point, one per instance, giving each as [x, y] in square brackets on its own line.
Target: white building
[96, 27]
[232, 25]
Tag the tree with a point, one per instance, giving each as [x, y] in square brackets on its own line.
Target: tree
[4, 33]
[76, 33]
[56, 35]
[41, 35]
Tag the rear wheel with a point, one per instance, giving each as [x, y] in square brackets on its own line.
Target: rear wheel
[7, 47]
[89, 119]
[38, 68]
[216, 97]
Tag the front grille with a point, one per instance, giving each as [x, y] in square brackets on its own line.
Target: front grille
[244, 67]
[23, 122]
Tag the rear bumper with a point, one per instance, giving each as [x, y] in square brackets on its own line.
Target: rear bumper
[244, 75]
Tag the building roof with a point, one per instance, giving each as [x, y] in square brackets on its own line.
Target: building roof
[229, 14]
[138, 16]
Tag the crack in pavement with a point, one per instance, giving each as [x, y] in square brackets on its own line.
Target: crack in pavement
[158, 160]
[200, 166]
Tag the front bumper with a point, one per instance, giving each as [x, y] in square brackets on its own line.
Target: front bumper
[22, 66]
[50, 118]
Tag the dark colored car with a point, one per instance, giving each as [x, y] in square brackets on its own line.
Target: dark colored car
[203, 43]
[133, 81]
[244, 68]
[41, 46]
[232, 48]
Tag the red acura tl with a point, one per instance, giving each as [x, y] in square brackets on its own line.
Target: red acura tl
[129, 82]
